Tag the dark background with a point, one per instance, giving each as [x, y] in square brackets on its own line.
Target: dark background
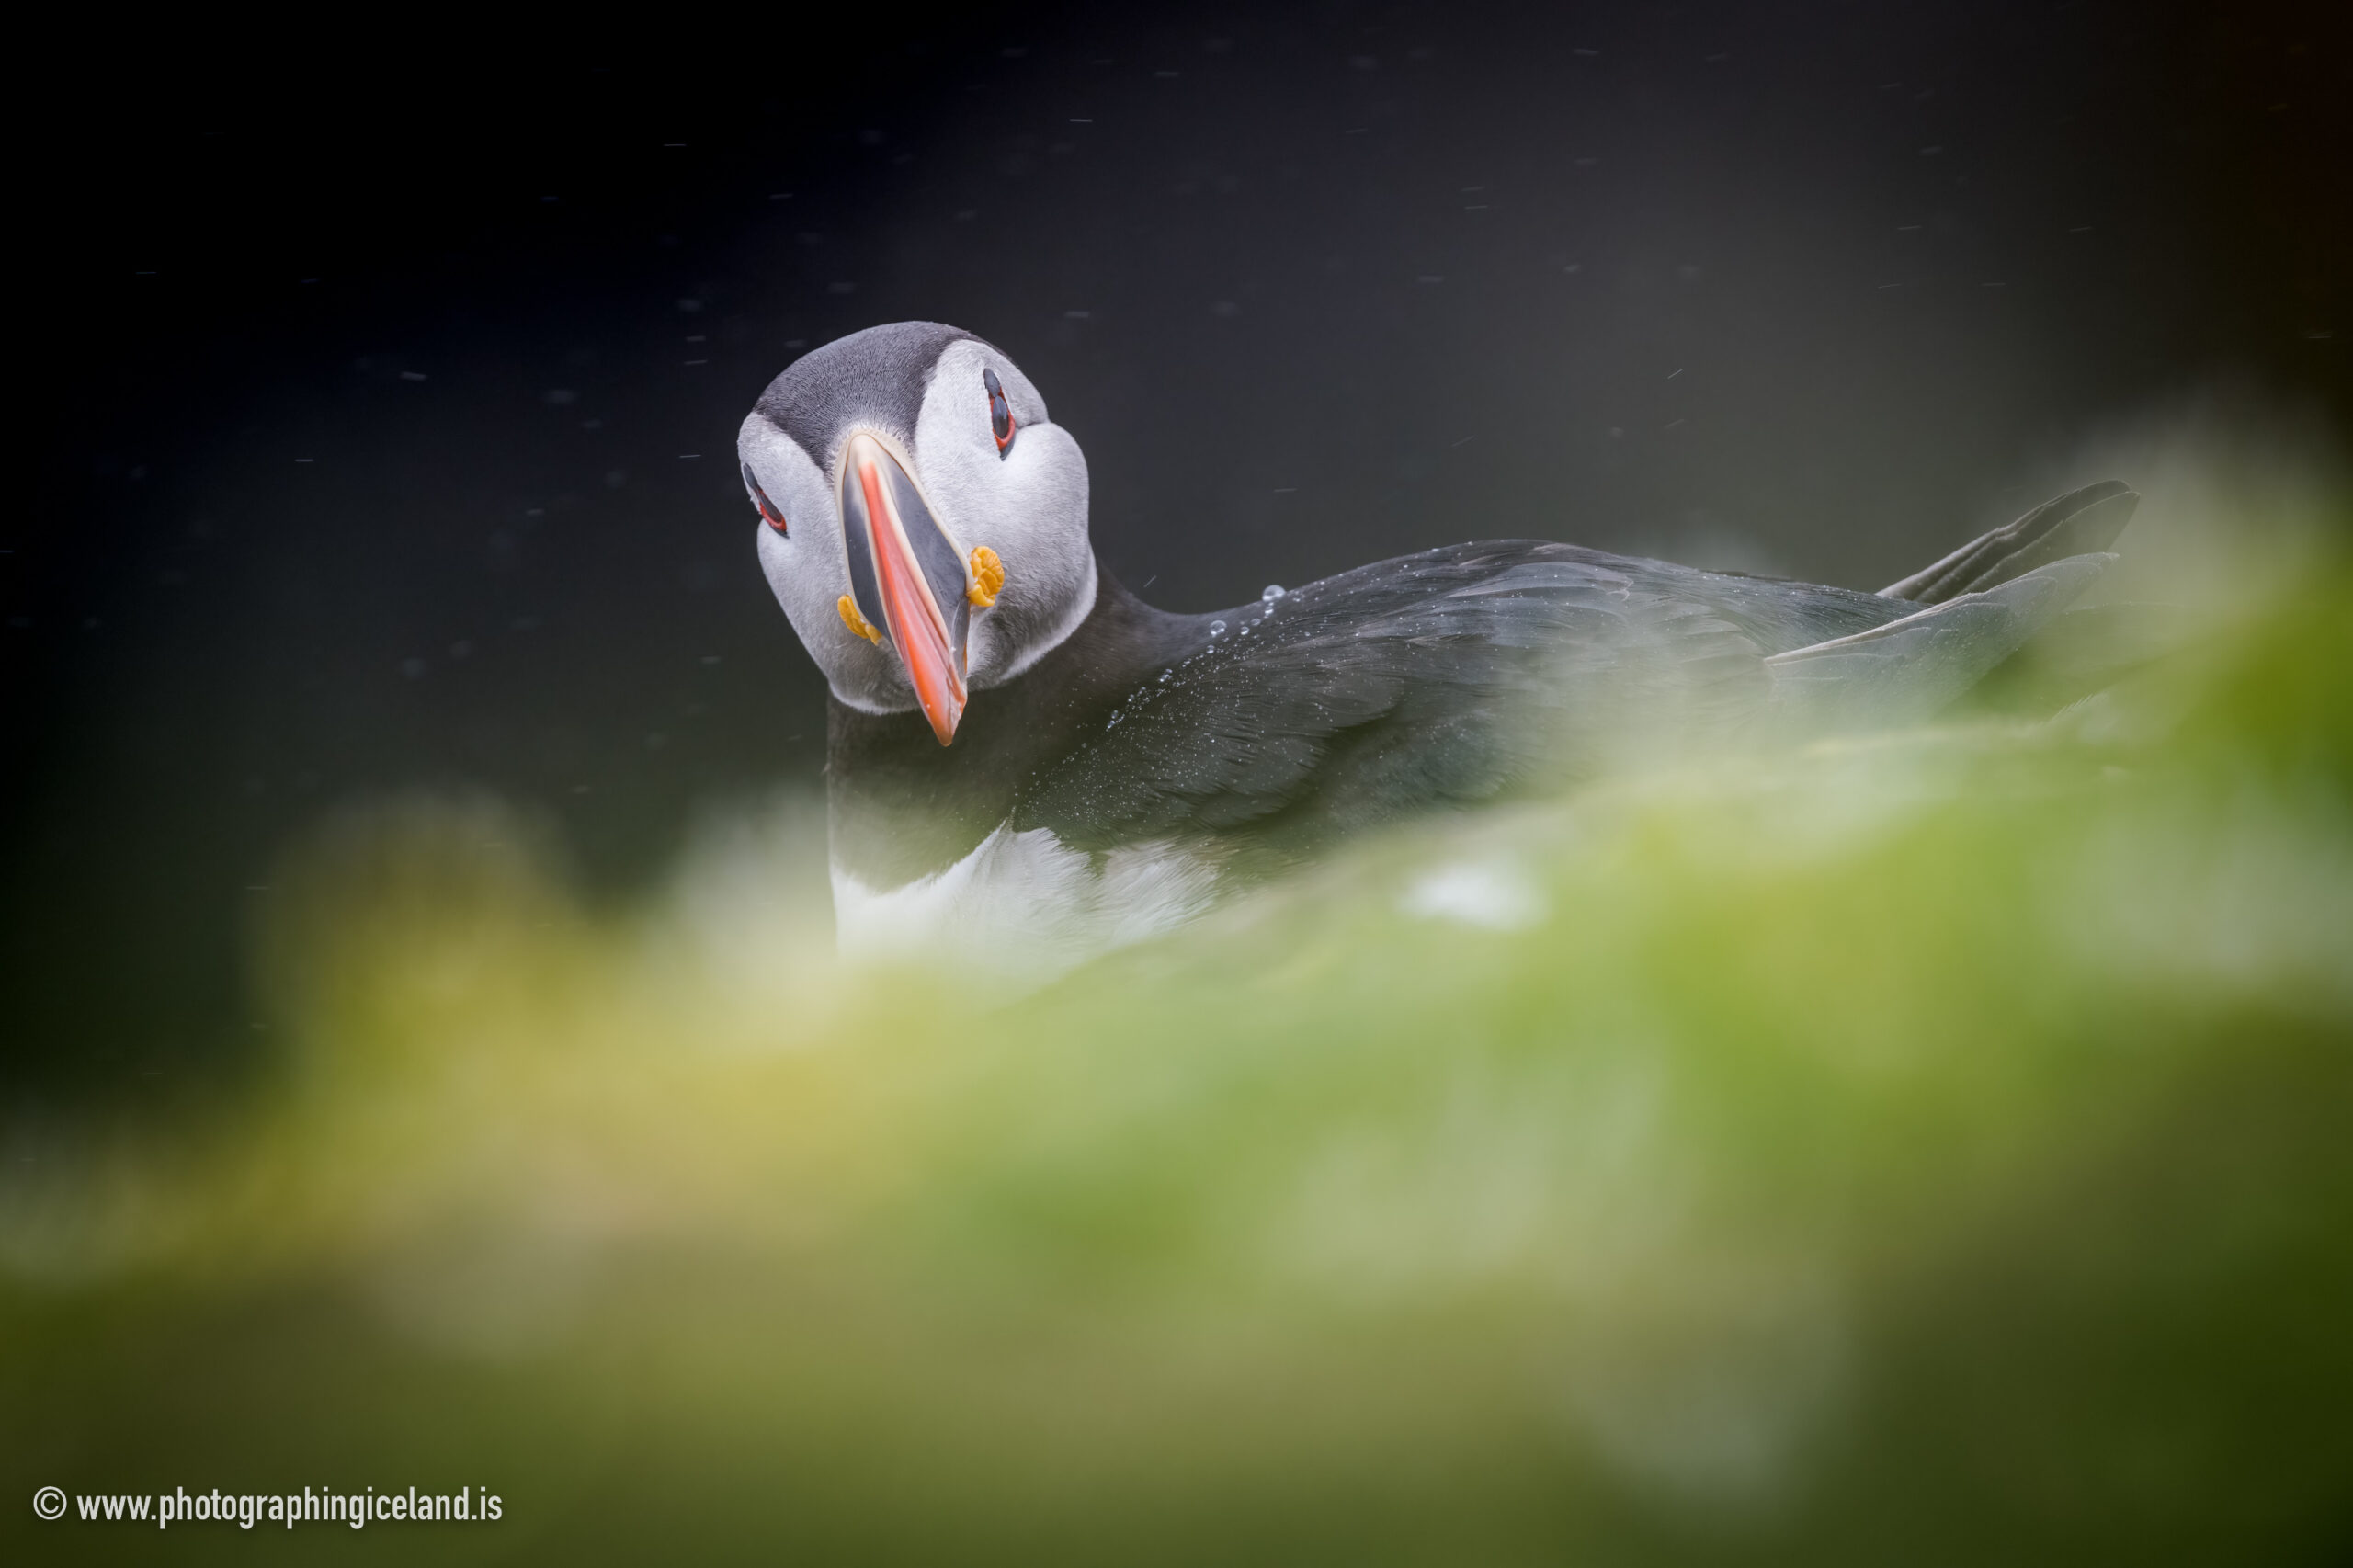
[379, 413]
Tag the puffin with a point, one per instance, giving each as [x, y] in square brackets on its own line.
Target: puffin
[1027, 765]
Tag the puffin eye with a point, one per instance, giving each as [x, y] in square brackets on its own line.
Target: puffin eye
[760, 499]
[1000, 413]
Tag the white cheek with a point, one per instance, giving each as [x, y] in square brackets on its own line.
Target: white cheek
[776, 564]
[1040, 530]
[808, 575]
[808, 583]
[785, 565]
[1027, 505]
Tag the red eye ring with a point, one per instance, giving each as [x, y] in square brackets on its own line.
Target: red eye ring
[760, 499]
[1000, 412]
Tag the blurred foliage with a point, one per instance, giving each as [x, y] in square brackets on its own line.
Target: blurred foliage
[1927, 1148]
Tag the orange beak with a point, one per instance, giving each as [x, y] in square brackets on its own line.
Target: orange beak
[900, 557]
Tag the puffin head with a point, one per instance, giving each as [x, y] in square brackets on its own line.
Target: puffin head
[922, 521]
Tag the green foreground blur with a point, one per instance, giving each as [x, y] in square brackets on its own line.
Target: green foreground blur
[1930, 1149]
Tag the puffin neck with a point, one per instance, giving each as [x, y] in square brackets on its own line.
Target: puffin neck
[1119, 642]
[906, 807]
[1082, 609]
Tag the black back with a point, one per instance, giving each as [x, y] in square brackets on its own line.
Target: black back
[1451, 676]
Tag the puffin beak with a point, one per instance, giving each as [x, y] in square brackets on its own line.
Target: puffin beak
[907, 577]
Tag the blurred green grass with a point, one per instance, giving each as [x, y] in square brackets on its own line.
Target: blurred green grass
[1926, 1148]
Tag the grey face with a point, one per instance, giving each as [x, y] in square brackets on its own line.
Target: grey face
[896, 471]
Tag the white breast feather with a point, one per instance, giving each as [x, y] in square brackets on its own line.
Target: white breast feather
[1023, 906]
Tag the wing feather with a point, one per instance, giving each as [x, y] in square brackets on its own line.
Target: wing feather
[1453, 676]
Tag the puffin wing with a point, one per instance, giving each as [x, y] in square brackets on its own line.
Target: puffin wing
[1908, 668]
[1447, 677]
